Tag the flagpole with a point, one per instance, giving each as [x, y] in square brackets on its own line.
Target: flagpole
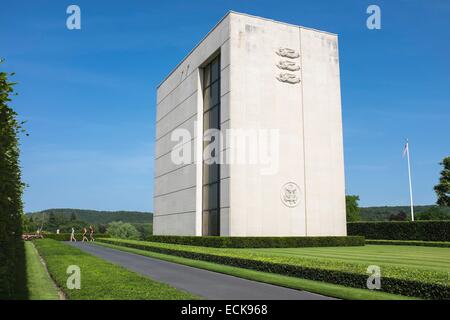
[410, 183]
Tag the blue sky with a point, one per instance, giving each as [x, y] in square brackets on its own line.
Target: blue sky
[89, 95]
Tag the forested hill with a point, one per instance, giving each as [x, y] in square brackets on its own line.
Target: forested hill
[97, 217]
[383, 213]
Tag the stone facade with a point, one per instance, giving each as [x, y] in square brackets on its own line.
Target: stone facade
[274, 76]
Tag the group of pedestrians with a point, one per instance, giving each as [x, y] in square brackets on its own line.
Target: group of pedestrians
[91, 234]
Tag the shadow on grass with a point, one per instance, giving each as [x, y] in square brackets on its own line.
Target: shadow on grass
[13, 277]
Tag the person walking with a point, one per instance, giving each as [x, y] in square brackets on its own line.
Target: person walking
[91, 233]
[72, 236]
[84, 234]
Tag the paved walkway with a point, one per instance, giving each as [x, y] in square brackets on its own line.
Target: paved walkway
[208, 284]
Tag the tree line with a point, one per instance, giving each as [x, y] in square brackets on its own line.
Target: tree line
[441, 211]
[53, 222]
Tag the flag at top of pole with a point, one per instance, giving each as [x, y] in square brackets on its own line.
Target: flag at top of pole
[405, 149]
[406, 153]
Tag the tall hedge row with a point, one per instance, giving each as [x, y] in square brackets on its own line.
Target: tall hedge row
[12, 256]
[401, 230]
[260, 242]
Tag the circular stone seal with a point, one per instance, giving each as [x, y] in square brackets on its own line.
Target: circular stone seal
[290, 194]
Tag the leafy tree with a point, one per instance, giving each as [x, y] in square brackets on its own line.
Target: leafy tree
[119, 229]
[443, 188]
[433, 214]
[73, 216]
[145, 229]
[401, 216]
[12, 260]
[101, 228]
[28, 224]
[352, 208]
[52, 224]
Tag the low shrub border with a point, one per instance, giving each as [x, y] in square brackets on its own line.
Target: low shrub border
[260, 242]
[410, 243]
[66, 236]
[396, 280]
[401, 230]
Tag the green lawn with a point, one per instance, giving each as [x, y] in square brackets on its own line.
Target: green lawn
[328, 289]
[40, 285]
[425, 258]
[101, 280]
[406, 270]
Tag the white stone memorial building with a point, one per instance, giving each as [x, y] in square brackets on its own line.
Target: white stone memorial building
[275, 87]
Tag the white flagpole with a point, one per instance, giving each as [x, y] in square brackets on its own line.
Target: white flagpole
[410, 183]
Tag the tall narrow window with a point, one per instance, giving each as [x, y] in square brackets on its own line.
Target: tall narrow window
[211, 171]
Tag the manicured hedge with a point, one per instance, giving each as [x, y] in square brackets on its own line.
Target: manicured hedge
[401, 230]
[66, 236]
[410, 243]
[409, 282]
[260, 242]
[12, 252]
[13, 282]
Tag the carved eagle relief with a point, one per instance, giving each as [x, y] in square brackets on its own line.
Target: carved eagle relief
[290, 194]
[289, 64]
[287, 53]
[288, 77]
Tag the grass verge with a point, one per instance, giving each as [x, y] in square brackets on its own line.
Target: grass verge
[342, 266]
[40, 285]
[101, 280]
[327, 289]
